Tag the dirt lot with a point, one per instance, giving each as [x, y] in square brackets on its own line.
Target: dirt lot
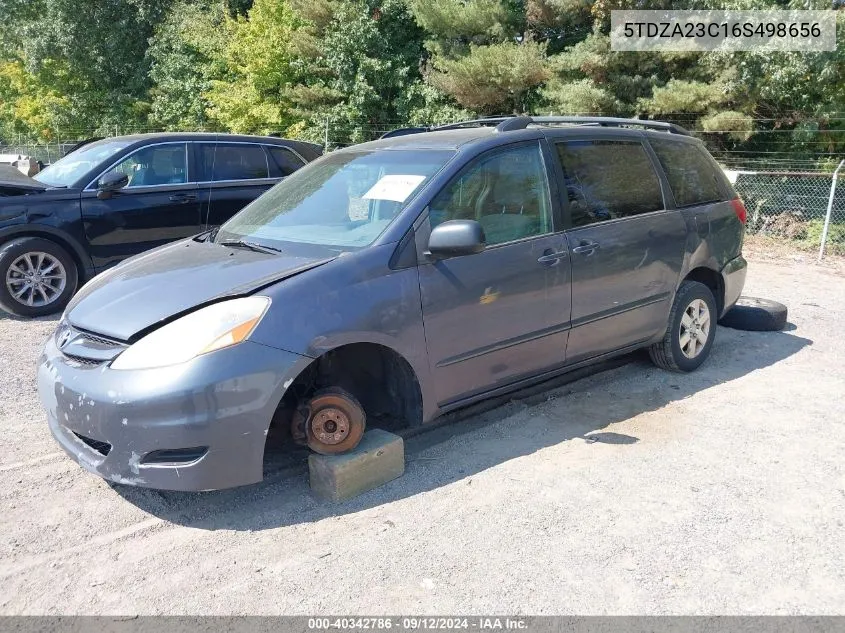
[631, 491]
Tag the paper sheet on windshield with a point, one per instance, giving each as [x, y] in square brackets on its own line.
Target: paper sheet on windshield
[396, 187]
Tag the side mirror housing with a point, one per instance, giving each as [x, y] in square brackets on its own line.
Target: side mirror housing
[110, 183]
[455, 238]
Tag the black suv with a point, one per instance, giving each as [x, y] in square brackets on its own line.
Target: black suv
[116, 197]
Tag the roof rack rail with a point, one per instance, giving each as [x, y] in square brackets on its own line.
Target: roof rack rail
[404, 131]
[487, 121]
[496, 121]
[511, 123]
[613, 122]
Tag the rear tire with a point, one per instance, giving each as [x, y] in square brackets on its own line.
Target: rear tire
[690, 332]
[756, 315]
[37, 277]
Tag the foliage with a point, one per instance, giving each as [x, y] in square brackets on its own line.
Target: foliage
[93, 53]
[493, 78]
[260, 66]
[360, 67]
[736, 125]
[579, 96]
[457, 24]
[84, 62]
[28, 107]
[678, 95]
[186, 55]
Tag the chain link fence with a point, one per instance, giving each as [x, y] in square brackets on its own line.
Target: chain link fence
[794, 207]
[46, 153]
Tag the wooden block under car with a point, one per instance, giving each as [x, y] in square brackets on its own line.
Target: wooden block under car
[379, 458]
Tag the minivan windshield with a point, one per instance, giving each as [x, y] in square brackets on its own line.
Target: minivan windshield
[344, 200]
[66, 171]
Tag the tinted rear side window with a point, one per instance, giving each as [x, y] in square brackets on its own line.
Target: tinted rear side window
[692, 176]
[231, 161]
[606, 180]
[285, 160]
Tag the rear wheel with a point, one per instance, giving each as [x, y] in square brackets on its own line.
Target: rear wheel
[37, 277]
[691, 330]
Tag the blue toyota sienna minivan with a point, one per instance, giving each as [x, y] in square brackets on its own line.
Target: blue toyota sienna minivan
[391, 282]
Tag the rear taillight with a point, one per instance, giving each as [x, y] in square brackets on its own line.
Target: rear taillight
[739, 209]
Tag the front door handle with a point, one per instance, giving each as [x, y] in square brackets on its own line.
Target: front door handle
[550, 257]
[586, 247]
[182, 197]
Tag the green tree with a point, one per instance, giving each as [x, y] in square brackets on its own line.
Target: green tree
[260, 67]
[491, 56]
[29, 107]
[186, 54]
[735, 100]
[93, 53]
[359, 68]
[498, 77]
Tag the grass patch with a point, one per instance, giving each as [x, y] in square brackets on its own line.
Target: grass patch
[835, 244]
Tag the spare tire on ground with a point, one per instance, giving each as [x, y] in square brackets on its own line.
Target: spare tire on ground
[755, 314]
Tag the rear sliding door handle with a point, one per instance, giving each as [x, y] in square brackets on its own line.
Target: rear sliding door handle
[586, 247]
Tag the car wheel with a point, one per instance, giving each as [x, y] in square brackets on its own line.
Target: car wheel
[756, 315]
[336, 423]
[691, 330]
[37, 277]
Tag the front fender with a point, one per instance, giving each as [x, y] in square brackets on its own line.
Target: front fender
[356, 298]
[59, 236]
[52, 214]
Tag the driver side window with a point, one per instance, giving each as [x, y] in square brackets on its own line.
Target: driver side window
[155, 165]
[507, 192]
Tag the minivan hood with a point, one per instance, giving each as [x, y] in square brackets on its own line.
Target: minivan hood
[155, 286]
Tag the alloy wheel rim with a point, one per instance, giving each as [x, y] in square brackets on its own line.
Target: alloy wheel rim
[695, 328]
[36, 279]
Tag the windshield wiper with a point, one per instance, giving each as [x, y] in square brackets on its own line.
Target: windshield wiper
[260, 248]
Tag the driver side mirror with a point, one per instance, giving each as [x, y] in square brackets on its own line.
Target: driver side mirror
[455, 238]
[110, 183]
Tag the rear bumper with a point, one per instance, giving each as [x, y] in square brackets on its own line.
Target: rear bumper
[733, 280]
[219, 404]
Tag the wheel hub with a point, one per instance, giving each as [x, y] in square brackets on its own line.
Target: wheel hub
[332, 422]
[36, 279]
[330, 425]
[695, 328]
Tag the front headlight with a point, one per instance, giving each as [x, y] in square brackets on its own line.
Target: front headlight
[213, 327]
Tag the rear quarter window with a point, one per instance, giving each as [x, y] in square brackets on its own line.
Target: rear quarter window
[284, 160]
[693, 176]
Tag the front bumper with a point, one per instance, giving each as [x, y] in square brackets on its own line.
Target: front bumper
[109, 421]
[733, 280]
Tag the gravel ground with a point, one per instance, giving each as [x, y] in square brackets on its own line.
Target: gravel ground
[631, 491]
